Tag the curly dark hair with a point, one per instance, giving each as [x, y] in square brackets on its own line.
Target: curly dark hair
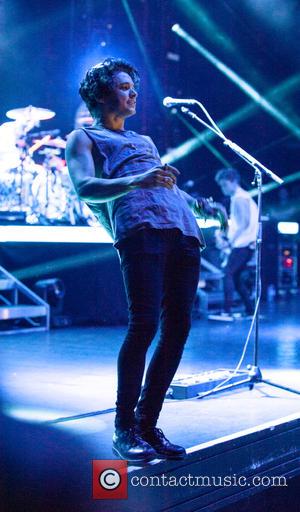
[229, 174]
[98, 81]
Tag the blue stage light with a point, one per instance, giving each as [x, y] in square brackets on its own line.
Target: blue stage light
[69, 234]
[288, 228]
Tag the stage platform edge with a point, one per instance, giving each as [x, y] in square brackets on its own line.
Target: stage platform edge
[271, 449]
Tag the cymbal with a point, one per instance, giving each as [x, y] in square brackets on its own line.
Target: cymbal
[30, 113]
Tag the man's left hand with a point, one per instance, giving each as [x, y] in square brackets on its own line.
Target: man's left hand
[208, 208]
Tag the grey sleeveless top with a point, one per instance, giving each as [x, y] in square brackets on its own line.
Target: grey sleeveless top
[119, 153]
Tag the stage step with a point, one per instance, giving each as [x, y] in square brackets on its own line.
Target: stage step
[18, 302]
[22, 311]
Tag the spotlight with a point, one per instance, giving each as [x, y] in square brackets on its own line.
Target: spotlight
[175, 57]
[175, 28]
[288, 228]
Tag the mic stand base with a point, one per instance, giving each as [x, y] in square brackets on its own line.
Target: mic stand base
[253, 376]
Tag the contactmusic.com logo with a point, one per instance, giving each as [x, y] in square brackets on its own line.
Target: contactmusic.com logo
[110, 479]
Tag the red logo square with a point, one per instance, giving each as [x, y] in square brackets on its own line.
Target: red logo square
[110, 479]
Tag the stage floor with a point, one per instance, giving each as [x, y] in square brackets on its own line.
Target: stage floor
[67, 378]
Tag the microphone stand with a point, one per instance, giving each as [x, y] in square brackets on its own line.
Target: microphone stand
[253, 375]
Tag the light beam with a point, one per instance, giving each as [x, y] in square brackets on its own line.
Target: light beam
[286, 87]
[240, 82]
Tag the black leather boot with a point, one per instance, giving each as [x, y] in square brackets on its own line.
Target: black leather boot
[128, 445]
[164, 448]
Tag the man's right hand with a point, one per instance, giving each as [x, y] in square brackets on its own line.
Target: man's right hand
[94, 189]
[163, 176]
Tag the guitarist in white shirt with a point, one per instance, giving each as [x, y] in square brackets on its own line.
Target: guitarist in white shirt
[240, 240]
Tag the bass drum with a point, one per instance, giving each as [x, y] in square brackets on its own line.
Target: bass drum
[78, 211]
[49, 196]
[15, 190]
[9, 153]
[7, 190]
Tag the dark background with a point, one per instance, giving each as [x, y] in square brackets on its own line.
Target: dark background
[47, 46]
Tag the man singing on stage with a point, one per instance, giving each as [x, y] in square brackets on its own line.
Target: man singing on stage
[119, 174]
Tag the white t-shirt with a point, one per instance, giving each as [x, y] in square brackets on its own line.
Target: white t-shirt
[249, 222]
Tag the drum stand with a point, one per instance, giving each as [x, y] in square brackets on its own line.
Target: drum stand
[253, 374]
[19, 182]
[51, 178]
[21, 170]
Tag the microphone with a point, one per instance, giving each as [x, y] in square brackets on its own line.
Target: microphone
[170, 102]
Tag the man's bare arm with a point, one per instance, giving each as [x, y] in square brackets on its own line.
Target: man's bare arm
[99, 190]
[82, 171]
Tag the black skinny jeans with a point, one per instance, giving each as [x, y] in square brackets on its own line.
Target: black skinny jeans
[161, 272]
[233, 279]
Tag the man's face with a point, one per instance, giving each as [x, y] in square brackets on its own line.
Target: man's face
[122, 101]
[228, 187]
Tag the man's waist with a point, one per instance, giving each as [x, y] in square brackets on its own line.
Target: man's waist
[249, 245]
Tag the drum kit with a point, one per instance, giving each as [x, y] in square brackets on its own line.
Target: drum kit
[34, 179]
